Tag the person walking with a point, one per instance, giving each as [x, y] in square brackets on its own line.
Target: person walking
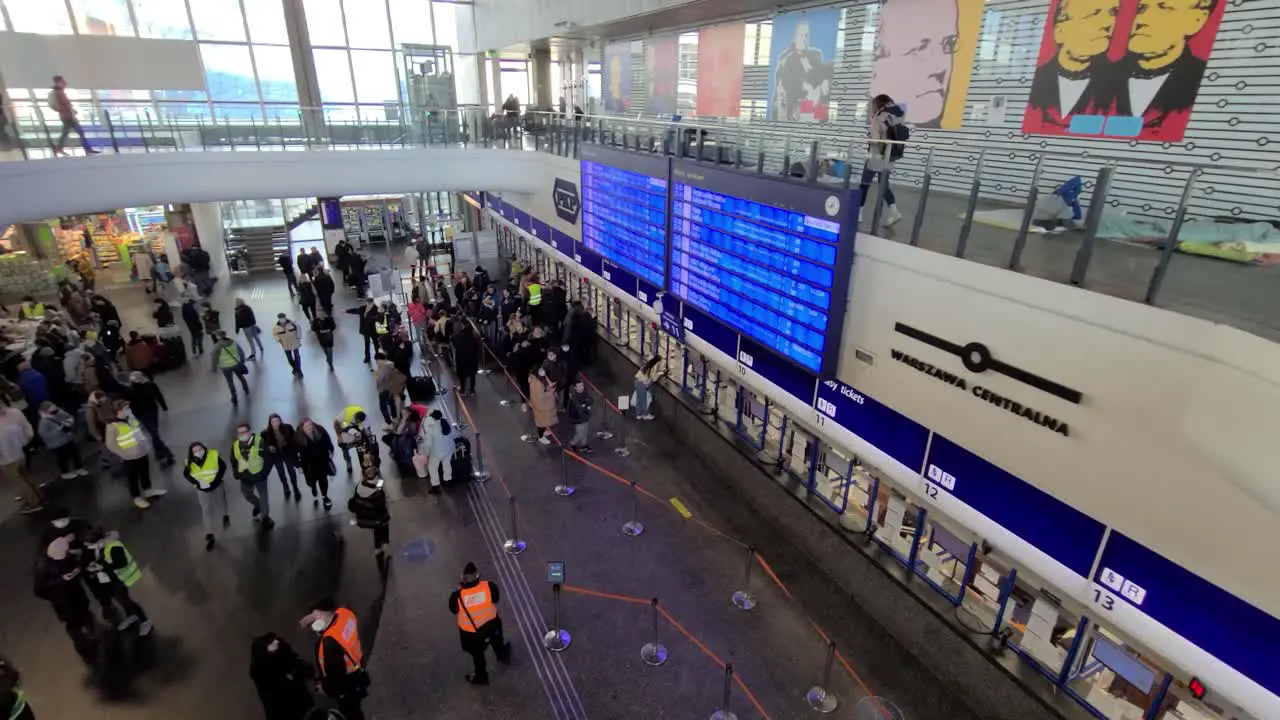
[304, 262]
[339, 656]
[57, 581]
[15, 434]
[324, 327]
[390, 383]
[317, 262]
[282, 453]
[246, 321]
[466, 357]
[286, 266]
[350, 428]
[315, 458]
[251, 470]
[646, 376]
[435, 450]
[886, 119]
[206, 470]
[191, 316]
[370, 318]
[542, 402]
[61, 104]
[57, 432]
[147, 401]
[307, 297]
[369, 505]
[579, 411]
[211, 318]
[287, 334]
[228, 357]
[475, 607]
[281, 677]
[324, 289]
[128, 440]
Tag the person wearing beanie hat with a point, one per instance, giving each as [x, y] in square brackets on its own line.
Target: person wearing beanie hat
[475, 605]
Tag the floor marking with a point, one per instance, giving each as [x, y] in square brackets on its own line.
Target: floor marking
[680, 508]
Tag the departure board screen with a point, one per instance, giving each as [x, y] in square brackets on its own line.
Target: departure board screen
[764, 256]
[624, 210]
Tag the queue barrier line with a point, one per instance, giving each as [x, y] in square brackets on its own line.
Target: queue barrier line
[606, 595]
[514, 384]
[599, 392]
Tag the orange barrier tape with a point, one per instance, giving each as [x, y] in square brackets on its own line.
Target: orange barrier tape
[462, 404]
[690, 637]
[605, 595]
[599, 392]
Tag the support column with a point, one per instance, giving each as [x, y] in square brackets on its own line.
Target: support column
[207, 218]
[540, 72]
[579, 96]
[498, 97]
[304, 69]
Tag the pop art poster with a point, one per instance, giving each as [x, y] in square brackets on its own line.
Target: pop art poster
[1125, 69]
[720, 49]
[617, 77]
[662, 73]
[802, 64]
[924, 58]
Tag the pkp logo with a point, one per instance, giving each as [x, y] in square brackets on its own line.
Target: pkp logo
[564, 195]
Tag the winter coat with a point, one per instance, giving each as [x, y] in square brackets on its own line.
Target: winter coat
[191, 316]
[56, 429]
[217, 479]
[324, 329]
[369, 505]
[307, 294]
[140, 450]
[579, 407]
[274, 446]
[324, 287]
[287, 334]
[244, 317]
[542, 400]
[282, 680]
[436, 443]
[147, 401]
[466, 353]
[314, 454]
[138, 355]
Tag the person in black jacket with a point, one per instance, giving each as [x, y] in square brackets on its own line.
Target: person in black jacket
[163, 314]
[304, 262]
[281, 677]
[147, 401]
[191, 316]
[13, 701]
[286, 266]
[324, 327]
[324, 289]
[58, 582]
[281, 453]
[357, 275]
[206, 473]
[106, 311]
[370, 316]
[579, 412]
[246, 321]
[476, 635]
[466, 357]
[369, 504]
[315, 458]
[307, 297]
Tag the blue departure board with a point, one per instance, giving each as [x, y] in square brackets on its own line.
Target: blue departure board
[624, 210]
[768, 257]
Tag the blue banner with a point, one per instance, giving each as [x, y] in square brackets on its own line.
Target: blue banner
[589, 260]
[561, 242]
[773, 368]
[540, 230]
[647, 292]
[618, 277]
[895, 434]
[715, 333]
[520, 218]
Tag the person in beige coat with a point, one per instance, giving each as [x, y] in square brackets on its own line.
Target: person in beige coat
[542, 398]
[286, 333]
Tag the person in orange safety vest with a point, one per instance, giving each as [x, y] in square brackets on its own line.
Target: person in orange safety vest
[475, 605]
[339, 656]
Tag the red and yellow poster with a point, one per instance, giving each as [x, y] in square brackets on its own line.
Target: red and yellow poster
[1125, 69]
[720, 49]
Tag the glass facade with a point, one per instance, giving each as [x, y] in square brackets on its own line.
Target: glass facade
[244, 51]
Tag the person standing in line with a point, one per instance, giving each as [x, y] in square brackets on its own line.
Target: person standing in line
[324, 327]
[147, 401]
[390, 383]
[281, 678]
[205, 470]
[339, 656]
[127, 439]
[15, 435]
[286, 266]
[246, 321]
[579, 411]
[282, 453]
[228, 357]
[370, 317]
[343, 252]
[61, 104]
[57, 581]
[57, 431]
[315, 457]
[324, 289]
[251, 470]
[211, 318]
[475, 607]
[287, 334]
[411, 259]
[307, 297]
[435, 451]
[542, 402]
[191, 316]
[466, 357]
[648, 374]
[369, 505]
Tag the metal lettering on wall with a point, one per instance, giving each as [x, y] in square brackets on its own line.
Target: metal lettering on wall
[564, 196]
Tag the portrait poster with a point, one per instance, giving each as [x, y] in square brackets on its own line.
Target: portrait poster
[924, 58]
[1124, 69]
[720, 49]
[617, 77]
[802, 63]
[661, 73]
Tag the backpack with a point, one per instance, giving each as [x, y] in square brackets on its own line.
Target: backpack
[898, 132]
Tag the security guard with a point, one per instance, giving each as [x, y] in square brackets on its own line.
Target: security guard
[112, 571]
[475, 605]
[30, 309]
[339, 656]
[350, 429]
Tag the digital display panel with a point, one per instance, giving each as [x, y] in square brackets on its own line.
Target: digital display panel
[764, 256]
[624, 210]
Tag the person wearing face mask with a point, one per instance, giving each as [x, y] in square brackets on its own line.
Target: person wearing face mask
[113, 569]
[315, 457]
[58, 582]
[205, 471]
[286, 333]
[475, 606]
[435, 451]
[57, 431]
[369, 505]
[281, 678]
[339, 656]
[251, 470]
[542, 399]
[146, 401]
[282, 453]
[128, 440]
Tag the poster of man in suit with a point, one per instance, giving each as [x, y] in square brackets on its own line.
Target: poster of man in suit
[617, 77]
[803, 62]
[1125, 69]
[924, 58]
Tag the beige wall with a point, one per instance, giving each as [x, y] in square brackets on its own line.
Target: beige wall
[539, 204]
[100, 62]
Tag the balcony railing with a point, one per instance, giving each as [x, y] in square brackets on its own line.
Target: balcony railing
[1150, 232]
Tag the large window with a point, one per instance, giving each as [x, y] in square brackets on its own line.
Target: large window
[324, 22]
[266, 21]
[39, 16]
[228, 71]
[333, 70]
[447, 23]
[218, 20]
[367, 24]
[411, 20]
[374, 73]
[102, 17]
[275, 73]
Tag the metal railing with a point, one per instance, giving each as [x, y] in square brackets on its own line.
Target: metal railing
[974, 202]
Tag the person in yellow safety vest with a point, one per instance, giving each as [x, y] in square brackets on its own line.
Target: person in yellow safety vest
[339, 656]
[205, 471]
[251, 470]
[347, 427]
[30, 309]
[128, 440]
[13, 699]
[112, 571]
[535, 291]
[475, 606]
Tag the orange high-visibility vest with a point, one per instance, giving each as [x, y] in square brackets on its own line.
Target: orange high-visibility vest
[475, 607]
[345, 631]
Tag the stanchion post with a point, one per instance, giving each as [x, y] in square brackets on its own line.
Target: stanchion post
[724, 713]
[819, 696]
[531, 436]
[564, 489]
[506, 401]
[557, 638]
[603, 433]
[622, 450]
[654, 653]
[743, 598]
[458, 425]
[634, 527]
[513, 544]
[478, 473]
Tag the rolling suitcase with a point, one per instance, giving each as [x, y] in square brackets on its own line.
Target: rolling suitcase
[460, 466]
[421, 389]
